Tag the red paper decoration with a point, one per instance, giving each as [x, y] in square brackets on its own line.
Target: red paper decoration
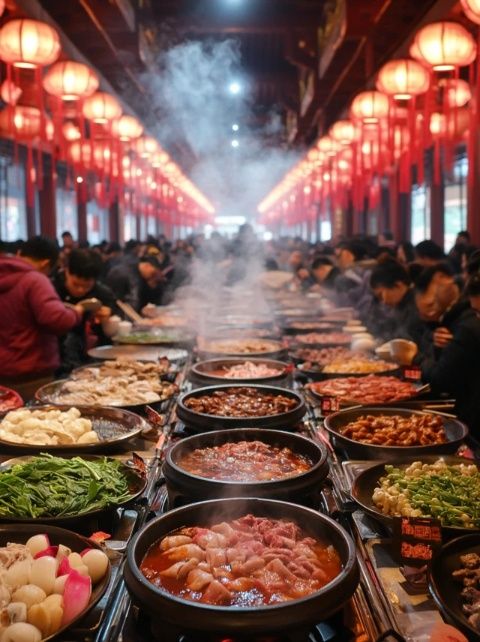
[444, 46]
[70, 80]
[28, 43]
[403, 79]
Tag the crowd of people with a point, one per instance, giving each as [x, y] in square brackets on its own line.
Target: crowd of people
[398, 291]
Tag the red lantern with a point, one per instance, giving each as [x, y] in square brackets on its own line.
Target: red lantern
[369, 107]
[70, 131]
[70, 80]
[101, 108]
[328, 146]
[10, 92]
[457, 91]
[23, 123]
[146, 146]
[403, 79]
[472, 10]
[81, 152]
[444, 46]
[28, 43]
[343, 132]
[127, 128]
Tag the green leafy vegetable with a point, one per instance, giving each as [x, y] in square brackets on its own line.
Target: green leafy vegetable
[48, 486]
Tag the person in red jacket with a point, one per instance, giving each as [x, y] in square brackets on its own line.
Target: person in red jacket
[32, 316]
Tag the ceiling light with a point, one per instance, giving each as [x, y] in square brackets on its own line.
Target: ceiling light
[235, 127]
[235, 143]
[234, 88]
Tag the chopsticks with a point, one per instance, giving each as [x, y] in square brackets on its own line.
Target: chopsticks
[127, 309]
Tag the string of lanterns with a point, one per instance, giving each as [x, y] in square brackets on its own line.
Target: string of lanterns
[418, 104]
[55, 106]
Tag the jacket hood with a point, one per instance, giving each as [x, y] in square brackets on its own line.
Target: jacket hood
[11, 269]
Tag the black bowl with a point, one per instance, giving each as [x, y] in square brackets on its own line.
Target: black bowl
[204, 371]
[366, 482]
[114, 426]
[183, 484]
[455, 430]
[445, 589]
[237, 621]
[203, 421]
[20, 533]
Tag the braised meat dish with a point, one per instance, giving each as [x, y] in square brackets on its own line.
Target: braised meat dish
[469, 576]
[397, 430]
[371, 389]
[250, 561]
[241, 402]
[245, 461]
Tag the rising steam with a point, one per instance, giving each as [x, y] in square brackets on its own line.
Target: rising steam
[192, 102]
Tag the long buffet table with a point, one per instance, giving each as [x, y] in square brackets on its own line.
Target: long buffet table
[385, 606]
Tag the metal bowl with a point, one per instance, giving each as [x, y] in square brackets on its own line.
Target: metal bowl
[209, 371]
[114, 426]
[273, 350]
[455, 431]
[202, 421]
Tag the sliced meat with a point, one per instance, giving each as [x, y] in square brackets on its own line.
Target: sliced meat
[186, 552]
[180, 570]
[197, 579]
[216, 556]
[173, 541]
[217, 593]
[209, 538]
[277, 566]
[224, 529]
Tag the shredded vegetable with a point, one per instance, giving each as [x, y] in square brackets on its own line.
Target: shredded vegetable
[48, 486]
[449, 493]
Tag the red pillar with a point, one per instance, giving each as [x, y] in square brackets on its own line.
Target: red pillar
[47, 201]
[473, 190]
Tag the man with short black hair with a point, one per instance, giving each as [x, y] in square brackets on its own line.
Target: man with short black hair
[428, 253]
[453, 368]
[79, 281]
[32, 317]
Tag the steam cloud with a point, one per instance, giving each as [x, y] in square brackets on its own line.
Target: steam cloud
[192, 102]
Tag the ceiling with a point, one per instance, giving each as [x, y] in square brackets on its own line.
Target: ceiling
[299, 63]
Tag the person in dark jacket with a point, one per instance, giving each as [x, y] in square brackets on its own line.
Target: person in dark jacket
[32, 317]
[453, 367]
[79, 281]
[391, 285]
[137, 283]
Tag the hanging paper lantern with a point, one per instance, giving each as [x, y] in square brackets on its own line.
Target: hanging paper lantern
[127, 128]
[343, 132]
[472, 10]
[160, 160]
[101, 108]
[369, 107]
[327, 146]
[70, 131]
[146, 146]
[10, 92]
[453, 128]
[457, 91]
[2, 6]
[70, 80]
[81, 152]
[22, 123]
[28, 43]
[444, 46]
[403, 79]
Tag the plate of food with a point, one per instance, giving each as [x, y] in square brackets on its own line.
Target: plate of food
[240, 370]
[240, 347]
[112, 384]
[447, 488]
[137, 353]
[68, 429]
[356, 365]
[51, 578]
[386, 433]
[48, 488]
[454, 582]
[155, 337]
[370, 390]
[319, 339]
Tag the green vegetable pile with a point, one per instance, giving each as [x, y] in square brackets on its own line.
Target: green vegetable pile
[449, 493]
[48, 486]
